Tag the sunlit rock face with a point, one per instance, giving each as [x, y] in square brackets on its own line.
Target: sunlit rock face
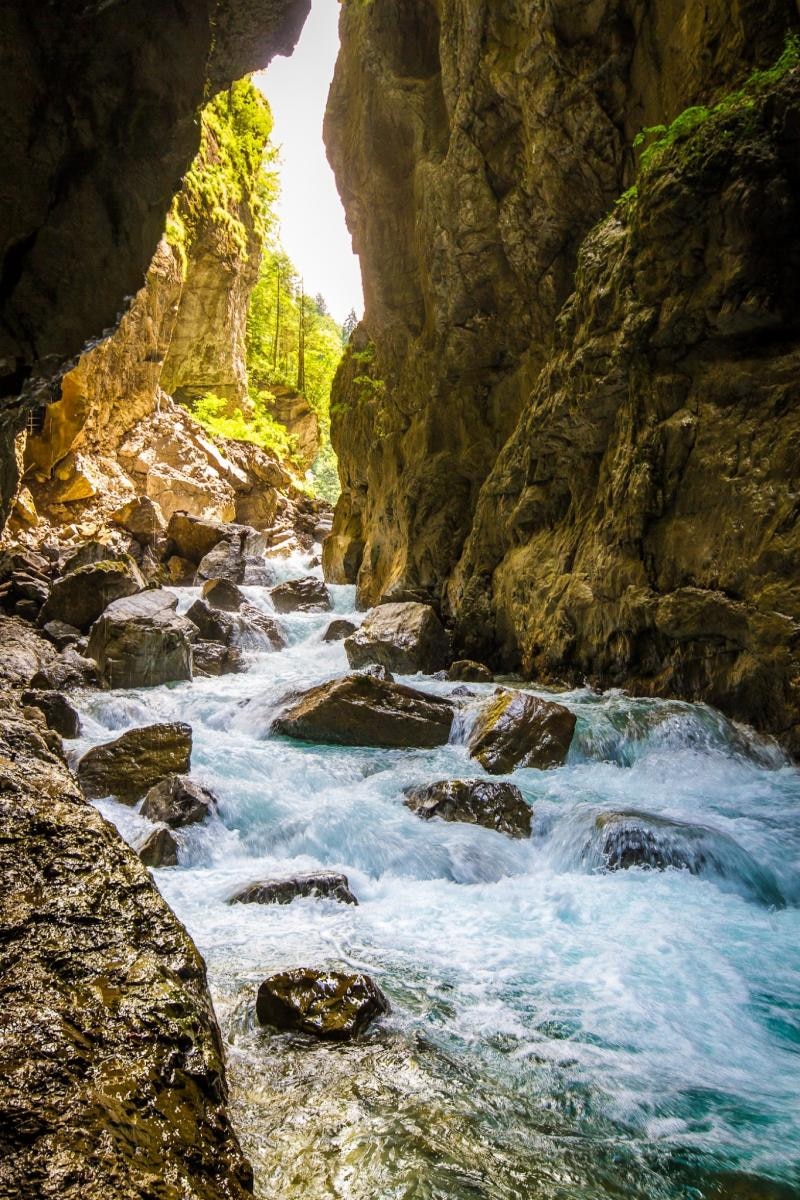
[623, 521]
[108, 96]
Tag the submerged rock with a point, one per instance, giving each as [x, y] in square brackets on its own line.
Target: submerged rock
[338, 629]
[159, 849]
[135, 762]
[327, 885]
[221, 593]
[497, 806]
[621, 840]
[58, 712]
[177, 801]
[301, 595]
[142, 642]
[81, 596]
[359, 710]
[407, 638]
[516, 729]
[333, 1005]
[467, 671]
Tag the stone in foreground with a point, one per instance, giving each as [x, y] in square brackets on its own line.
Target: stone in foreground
[359, 710]
[135, 762]
[177, 801]
[406, 637]
[79, 597]
[467, 671]
[333, 1005]
[326, 885]
[301, 595]
[142, 642]
[515, 729]
[498, 806]
[159, 849]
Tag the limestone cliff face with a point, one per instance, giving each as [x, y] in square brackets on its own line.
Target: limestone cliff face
[115, 431]
[475, 147]
[90, 166]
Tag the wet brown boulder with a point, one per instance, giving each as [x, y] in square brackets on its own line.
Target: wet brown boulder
[326, 885]
[140, 641]
[359, 710]
[58, 712]
[159, 849]
[135, 762]
[177, 801]
[79, 597]
[406, 637]
[338, 630]
[214, 624]
[333, 1005]
[301, 595]
[515, 729]
[211, 659]
[497, 806]
[467, 671]
[221, 593]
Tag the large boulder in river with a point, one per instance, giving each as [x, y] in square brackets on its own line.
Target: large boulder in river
[301, 595]
[467, 671]
[324, 885]
[210, 659]
[497, 806]
[359, 710]
[142, 642]
[515, 729]
[136, 761]
[79, 597]
[407, 638]
[333, 1005]
[177, 801]
[214, 624]
[338, 630]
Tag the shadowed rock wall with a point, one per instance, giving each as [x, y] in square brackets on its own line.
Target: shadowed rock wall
[99, 104]
[476, 146]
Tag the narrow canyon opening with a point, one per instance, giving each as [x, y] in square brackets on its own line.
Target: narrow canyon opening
[398, 784]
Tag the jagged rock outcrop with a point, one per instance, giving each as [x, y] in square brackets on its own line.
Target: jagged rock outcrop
[475, 147]
[80, 218]
[113, 1077]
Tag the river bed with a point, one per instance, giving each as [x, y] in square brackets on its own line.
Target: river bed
[557, 1031]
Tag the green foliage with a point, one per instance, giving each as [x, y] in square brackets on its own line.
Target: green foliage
[261, 428]
[659, 140]
[228, 183]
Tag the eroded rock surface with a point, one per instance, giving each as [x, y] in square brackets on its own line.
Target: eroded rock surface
[401, 637]
[113, 1079]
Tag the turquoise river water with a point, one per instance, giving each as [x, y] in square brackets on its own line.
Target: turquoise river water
[557, 1031]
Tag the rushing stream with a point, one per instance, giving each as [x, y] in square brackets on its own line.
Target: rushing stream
[556, 1030]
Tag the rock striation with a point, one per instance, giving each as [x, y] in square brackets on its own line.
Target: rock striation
[575, 430]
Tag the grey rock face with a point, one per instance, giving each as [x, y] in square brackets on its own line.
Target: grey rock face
[142, 642]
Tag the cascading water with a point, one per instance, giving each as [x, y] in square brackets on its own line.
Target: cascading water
[560, 1028]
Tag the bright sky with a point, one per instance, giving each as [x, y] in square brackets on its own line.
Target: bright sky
[313, 229]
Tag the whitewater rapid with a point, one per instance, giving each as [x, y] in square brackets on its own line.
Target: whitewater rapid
[556, 1030]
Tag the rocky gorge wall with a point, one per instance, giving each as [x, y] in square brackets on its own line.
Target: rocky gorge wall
[574, 433]
[99, 125]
